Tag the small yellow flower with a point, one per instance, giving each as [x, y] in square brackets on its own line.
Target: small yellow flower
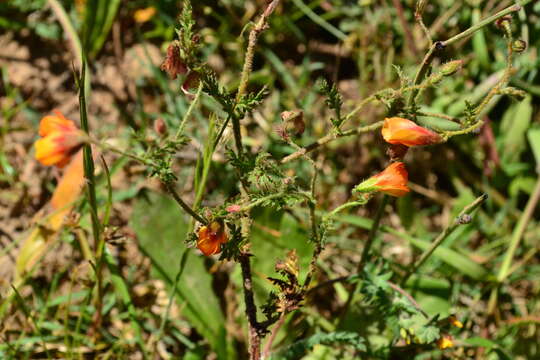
[60, 139]
[144, 15]
[445, 342]
[454, 321]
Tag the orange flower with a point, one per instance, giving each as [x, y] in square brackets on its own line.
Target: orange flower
[391, 181]
[60, 140]
[211, 237]
[144, 15]
[445, 342]
[397, 130]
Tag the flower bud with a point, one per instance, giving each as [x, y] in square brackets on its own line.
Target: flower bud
[519, 45]
[450, 68]
[397, 130]
[160, 127]
[191, 81]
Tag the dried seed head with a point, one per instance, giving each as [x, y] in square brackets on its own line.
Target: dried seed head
[294, 120]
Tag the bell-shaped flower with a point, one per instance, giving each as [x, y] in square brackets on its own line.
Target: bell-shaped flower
[392, 181]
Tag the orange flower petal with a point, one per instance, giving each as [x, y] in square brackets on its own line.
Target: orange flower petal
[57, 147]
[210, 238]
[53, 123]
[68, 190]
[393, 180]
[397, 130]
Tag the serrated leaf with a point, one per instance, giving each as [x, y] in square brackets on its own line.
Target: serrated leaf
[428, 334]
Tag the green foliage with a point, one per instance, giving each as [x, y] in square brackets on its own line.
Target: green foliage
[302, 347]
[333, 100]
[160, 229]
[99, 16]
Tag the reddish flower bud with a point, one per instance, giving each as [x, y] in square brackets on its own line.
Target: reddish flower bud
[191, 81]
[392, 181]
[233, 208]
[211, 237]
[173, 63]
[160, 127]
[397, 130]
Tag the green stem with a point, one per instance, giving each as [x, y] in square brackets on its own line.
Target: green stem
[261, 200]
[443, 235]
[422, 70]
[188, 112]
[107, 147]
[183, 205]
[88, 162]
[343, 207]
[332, 136]
[519, 231]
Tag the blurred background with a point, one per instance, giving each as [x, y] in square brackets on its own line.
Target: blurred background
[360, 45]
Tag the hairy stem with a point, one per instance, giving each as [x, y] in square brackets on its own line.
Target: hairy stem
[88, 161]
[251, 309]
[182, 203]
[439, 45]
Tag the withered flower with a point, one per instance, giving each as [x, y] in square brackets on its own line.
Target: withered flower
[173, 63]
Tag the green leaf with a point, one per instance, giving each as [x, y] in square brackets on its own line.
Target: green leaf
[302, 347]
[161, 229]
[438, 124]
[453, 258]
[514, 129]
[428, 334]
[98, 19]
[457, 260]
[534, 140]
